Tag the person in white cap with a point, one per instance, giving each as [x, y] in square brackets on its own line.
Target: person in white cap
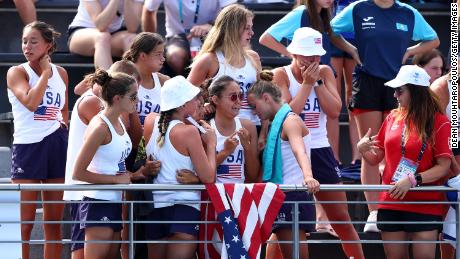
[178, 146]
[414, 141]
[310, 90]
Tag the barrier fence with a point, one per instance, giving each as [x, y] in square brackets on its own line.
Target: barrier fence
[9, 200]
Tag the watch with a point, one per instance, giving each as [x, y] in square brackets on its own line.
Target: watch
[418, 179]
[319, 83]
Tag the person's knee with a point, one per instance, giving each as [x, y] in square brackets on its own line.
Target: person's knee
[128, 41]
[102, 40]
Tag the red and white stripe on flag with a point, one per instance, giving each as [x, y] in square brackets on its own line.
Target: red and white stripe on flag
[254, 205]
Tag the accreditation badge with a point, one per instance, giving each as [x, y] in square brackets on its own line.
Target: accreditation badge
[405, 167]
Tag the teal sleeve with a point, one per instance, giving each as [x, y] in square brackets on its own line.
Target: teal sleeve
[286, 27]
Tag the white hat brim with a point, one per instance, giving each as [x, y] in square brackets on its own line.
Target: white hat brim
[306, 52]
[395, 83]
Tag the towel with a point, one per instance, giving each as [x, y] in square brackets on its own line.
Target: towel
[272, 161]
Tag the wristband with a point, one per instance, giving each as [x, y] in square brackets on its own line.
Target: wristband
[412, 180]
[418, 178]
[318, 83]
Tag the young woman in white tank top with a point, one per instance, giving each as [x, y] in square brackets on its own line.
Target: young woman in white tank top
[309, 88]
[174, 143]
[37, 91]
[265, 97]
[236, 137]
[101, 160]
[226, 51]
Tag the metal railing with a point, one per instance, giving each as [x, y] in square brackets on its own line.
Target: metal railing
[164, 187]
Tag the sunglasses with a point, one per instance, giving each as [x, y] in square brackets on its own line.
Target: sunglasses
[236, 96]
[133, 97]
[399, 91]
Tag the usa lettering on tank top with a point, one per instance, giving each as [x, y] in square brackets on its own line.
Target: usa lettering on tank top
[311, 113]
[49, 107]
[244, 87]
[149, 99]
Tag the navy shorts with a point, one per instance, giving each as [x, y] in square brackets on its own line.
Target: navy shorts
[338, 53]
[76, 234]
[104, 213]
[306, 212]
[324, 166]
[370, 93]
[405, 216]
[178, 212]
[456, 151]
[42, 160]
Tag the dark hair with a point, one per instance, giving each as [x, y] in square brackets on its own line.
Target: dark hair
[218, 86]
[163, 124]
[319, 22]
[424, 58]
[144, 42]
[265, 85]
[48, 33]
[112, 84]
[127, 67]
[423, 106]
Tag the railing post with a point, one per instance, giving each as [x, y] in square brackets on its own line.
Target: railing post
[131, 230]
[295, 231]
[457, 228]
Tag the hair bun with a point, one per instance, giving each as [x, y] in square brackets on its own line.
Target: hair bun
[266, 75]
[101, 77]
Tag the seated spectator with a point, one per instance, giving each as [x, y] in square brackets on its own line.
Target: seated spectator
[187, 22]
[26, 10]
[414, 141]
[97, 29]
[433, 62]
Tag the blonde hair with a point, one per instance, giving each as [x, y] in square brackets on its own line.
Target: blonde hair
[225, 35]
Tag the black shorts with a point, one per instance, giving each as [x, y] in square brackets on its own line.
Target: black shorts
[306, 212]
[71, 30]
[324, 166]
[370, 93]
[402, 217]
[338, 53]
[101, 214]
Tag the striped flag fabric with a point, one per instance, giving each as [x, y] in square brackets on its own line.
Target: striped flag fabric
[46, 113]
[246, 213]
[311, 119]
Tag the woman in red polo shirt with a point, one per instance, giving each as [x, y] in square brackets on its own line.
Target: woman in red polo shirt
[414, 141]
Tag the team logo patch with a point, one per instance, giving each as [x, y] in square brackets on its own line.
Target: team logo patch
[401, 27]
[317, 40]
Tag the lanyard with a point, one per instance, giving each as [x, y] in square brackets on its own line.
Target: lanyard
[197, 10]
[403, 148]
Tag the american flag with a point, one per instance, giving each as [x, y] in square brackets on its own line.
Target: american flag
[229, 171]
[311, 119]
[46, 113]
[245, 104]
[246, 213]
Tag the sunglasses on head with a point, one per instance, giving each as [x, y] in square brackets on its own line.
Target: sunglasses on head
[236, 96]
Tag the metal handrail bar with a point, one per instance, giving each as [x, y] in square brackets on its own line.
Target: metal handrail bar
[182, 187]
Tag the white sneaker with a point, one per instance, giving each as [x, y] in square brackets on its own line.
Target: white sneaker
[371, 225]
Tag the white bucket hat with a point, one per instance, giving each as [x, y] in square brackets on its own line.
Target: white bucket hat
[410, 74]
[307, 42]
[176, 92]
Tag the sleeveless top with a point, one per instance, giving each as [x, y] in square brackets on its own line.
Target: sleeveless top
[149, 99]
[245, 77]
[231, 170]
[171, 161]
[83, 19]
[312, 114]
[32, 127]
[110, 160]
[292, 173]
[77, 130]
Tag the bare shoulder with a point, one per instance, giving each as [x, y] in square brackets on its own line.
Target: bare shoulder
[17, 71]
[325, 70]
[163, 78]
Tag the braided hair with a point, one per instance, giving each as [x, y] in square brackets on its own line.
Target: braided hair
[163, 124]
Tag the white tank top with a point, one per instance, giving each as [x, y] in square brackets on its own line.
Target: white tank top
[246, 77]
[232, 168]
[110, 160]
[82, 19]
[171, 161]
[313, 116]
[77, 130]
[149, 99]
[292, 173]
[32, 127]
